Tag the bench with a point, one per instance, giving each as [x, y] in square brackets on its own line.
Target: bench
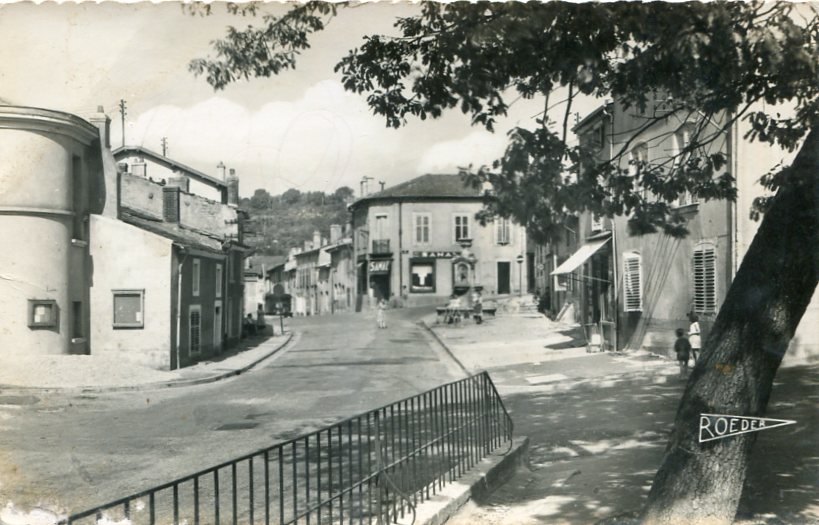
[460, 313]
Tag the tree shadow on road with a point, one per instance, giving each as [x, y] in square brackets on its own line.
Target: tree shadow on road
[594, 453]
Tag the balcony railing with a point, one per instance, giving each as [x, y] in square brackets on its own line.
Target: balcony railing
[381, 247]
[373, 468]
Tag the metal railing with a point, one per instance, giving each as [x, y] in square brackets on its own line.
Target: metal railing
[375, 467]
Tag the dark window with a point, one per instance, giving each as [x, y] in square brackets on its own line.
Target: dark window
[422, 276]
[195, 323]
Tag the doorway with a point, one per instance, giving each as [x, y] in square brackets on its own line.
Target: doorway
[217, 327]
[504, 277]
[381, 286]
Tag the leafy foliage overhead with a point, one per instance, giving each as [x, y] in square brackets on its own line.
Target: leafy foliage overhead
[718, 60]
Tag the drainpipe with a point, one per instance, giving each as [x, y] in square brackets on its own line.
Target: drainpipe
[179, 305]
[400, 255]
[614, 266]
[733, 141]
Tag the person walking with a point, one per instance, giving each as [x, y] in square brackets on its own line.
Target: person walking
[694, 336]
[260, 322]
[380, 314]
[682, 347]
[478, 308]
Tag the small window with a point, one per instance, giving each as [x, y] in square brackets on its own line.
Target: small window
[633, 282]
[422, 277]
[196, 274]
[195, 326]
[422, 228]
[42, 313]
[218, 280]
[503, 231]
[461, 227]
[705, 279]
[682, 140]
[128, 308]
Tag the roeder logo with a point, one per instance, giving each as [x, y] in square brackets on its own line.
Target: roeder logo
[719, 426]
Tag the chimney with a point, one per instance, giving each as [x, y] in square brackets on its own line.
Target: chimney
[316, 239]
[382, 183]
[103, 123]
[221, 168]
[170, 203]
[139, 168]
[232, 188]
[335, 233]
[179, 180]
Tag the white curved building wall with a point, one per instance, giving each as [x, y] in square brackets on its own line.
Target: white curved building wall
[40, 151]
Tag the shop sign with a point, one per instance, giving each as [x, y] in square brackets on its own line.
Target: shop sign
[436, 255]
[379, 267]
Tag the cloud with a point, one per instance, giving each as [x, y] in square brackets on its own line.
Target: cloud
[478, 148]
[322, 141]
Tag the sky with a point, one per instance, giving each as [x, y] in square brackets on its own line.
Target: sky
[297, 130]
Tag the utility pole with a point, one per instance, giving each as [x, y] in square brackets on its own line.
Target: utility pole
[164, 146]
[122, 114]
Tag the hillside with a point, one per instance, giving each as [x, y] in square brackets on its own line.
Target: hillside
[279, 222]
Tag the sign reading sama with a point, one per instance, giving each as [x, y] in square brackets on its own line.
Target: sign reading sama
[719, 426]
[376, 267]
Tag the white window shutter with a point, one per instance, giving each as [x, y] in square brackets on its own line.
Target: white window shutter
[632, 283]
[705, 279]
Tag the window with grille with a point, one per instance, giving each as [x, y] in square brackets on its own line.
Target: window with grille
[195, 325]
[422, 222]
[705, 279]
[503, 233]
[461, 227]
[128, 308]
[632, 282]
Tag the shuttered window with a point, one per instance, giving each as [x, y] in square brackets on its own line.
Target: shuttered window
[502, 231]
[422, 222]
[195, 322]
[705, 279]
[633, 282]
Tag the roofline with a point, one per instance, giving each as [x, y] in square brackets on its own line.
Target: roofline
[124, 151]
[591, 116]
[48, 121]
[417, 198]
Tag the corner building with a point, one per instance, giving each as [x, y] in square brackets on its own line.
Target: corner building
[408, 241]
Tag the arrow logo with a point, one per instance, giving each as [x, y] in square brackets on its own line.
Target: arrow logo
[719, 426]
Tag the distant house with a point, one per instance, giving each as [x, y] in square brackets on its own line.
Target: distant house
[320, 276]
[408, 241]
[256, 285]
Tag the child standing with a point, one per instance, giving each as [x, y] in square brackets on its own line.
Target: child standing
[682, 348]
[379, 317]
[694, 335]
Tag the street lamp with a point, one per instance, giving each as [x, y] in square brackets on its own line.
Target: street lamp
[519, 259]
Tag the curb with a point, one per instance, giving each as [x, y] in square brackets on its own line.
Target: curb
[479, 482]
[156, 385]
[430, 331]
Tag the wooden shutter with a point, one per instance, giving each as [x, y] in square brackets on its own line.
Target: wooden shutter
[632, 283]
[705, 279]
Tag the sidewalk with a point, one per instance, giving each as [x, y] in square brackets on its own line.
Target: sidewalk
[528, 352]
[598, 424]
[99, 373]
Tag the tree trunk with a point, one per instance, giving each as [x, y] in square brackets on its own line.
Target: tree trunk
[702, 483]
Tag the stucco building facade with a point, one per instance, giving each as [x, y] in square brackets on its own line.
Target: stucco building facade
[407, 240]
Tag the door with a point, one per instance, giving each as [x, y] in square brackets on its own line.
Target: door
[504, 277]
[217, 327]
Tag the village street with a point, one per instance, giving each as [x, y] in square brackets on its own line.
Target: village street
[77, 451]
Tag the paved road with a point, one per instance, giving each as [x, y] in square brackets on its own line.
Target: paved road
[77, 451]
